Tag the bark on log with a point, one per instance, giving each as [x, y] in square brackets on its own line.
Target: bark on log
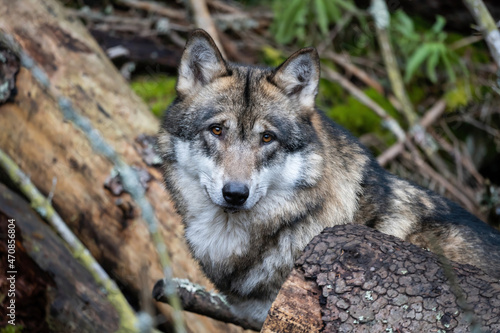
[53, 291]
[354, 279]
[35, 134]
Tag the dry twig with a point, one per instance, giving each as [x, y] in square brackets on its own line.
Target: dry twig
[203, 20]
[389, 122]
[351, 68]
[417, 162]
[429, 118]
[197, 299]
[154, 7]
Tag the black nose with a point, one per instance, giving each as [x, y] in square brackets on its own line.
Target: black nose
[235, 193]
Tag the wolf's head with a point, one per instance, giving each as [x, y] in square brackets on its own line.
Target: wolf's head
[238, 135]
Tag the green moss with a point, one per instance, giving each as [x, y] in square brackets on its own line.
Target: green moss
[458, 96]
[271, 56]
[12, 329]
[417, 93]
[157, 91]
[352, 114]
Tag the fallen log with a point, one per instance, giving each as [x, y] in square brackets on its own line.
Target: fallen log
[354, 279]
[53, 291]
[47, 146]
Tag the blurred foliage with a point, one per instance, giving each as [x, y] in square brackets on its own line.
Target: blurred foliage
[424, 47]
[459, 95]
[306, 21]
[12, 329]
[356, 116]
[157, 91]
[429, 65]
[271, 56]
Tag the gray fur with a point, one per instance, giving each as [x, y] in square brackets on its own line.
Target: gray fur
[314, 174]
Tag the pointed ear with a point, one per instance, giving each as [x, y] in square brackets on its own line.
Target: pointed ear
[201, 63]
[298, 76]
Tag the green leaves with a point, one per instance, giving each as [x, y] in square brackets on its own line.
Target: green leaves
[303, 20]
[289, 20]
[425, 48]
[322, 16]
[430, 53]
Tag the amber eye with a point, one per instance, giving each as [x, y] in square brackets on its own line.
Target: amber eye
[266, 138]
[216, 130]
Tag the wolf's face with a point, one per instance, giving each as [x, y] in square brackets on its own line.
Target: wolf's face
[243, 134]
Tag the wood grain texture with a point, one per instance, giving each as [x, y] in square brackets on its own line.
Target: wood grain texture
[297, 308]
[34, 133]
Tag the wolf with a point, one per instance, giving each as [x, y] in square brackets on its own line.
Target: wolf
[255, 170]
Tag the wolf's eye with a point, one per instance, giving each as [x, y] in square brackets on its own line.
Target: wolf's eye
[216, 130]
[267, 138]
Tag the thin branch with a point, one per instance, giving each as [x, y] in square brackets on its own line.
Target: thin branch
[389, 122]
[223, 7]
[466, 41]
[197, 299]
[327, 42]
[429, 118]
[380, 14]
[350, 67]
[465, 195]
[135, 23]
[154, 7]
[203, 20]
[418, 162]
[463, 159]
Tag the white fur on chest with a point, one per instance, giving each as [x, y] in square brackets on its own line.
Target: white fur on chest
[215, 236]
[212, 234]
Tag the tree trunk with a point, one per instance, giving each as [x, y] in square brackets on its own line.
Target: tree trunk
[352, 278]
[46, 146]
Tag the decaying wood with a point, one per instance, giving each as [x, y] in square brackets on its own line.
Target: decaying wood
[42, 205]
[52, 289]
[372, 282]
[34, 132]
[304, 305]
[9, 66]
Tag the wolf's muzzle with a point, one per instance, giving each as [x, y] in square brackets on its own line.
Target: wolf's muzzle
[235, 193]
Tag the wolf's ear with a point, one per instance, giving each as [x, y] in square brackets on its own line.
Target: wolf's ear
[201, 63]
[298, 76]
